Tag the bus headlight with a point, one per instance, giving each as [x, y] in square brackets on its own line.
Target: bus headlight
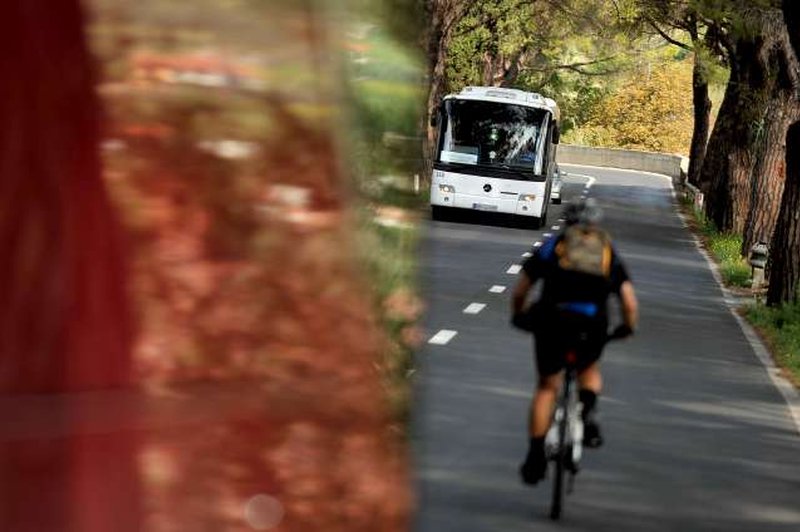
[527, 197]
[447, 189]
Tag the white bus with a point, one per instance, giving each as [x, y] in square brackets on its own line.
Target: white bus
[496, 152]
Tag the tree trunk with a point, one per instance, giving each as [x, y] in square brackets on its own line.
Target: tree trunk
[784, 259]
[513, 67]
[702, 120]
[501, 70]
[738, 133]
[785, 247]
[769, 171]
[64, 313]
[791, 15]
[728, 161]
[444, 15]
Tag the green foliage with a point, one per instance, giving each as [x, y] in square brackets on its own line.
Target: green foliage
[390, 256]
[591, 57]
[386, 97]
[725, 249]
[781, 328]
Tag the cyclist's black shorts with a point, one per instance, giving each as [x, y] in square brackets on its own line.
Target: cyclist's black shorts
[554, 339]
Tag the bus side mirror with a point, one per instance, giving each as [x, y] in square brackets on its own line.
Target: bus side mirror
[556, 135]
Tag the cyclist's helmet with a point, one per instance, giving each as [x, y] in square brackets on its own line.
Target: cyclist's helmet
[585, 212]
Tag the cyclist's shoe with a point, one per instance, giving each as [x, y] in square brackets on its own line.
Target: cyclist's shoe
[592, 438]
[533, 468]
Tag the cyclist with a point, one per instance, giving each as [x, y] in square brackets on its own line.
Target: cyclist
[579, 269]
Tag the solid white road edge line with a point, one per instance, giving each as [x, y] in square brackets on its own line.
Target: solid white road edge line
[474, 308]
[442, 337]
[497, 289]
[642, 172]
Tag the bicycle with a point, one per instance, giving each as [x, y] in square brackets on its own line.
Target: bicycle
[564, 439]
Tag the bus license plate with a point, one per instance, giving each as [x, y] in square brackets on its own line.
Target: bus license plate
[484, 207]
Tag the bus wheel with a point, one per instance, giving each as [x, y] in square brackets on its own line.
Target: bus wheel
[438, 212]
[537, 223]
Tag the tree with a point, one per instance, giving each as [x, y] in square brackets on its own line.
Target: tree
[666, 16]
[769, 171]
[569, 50]
[785, 246]
[757, 54]
[443, 16]
[648, 112]
[65, 322]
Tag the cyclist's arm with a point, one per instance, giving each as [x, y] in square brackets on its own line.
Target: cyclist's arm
[629, 304]
[520, 293]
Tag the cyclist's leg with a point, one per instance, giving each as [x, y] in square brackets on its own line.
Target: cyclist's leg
[549, 368]
[544, 399]
[590, 385]
[550, 372]
[590, 378]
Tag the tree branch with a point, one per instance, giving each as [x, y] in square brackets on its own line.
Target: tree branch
[664, 35]
[575, 67]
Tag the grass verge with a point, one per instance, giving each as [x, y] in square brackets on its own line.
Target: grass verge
[724, 249]
[780, 328]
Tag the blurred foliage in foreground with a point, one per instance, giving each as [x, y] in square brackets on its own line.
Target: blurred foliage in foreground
[226, 152]
[385, 89]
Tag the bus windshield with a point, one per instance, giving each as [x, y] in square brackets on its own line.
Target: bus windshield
[499, 136]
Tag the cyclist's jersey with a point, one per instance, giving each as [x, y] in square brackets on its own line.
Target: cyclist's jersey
[577, 292]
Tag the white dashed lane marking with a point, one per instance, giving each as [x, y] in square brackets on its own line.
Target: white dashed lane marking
[547, 235]
[514, 269]
[497, 289]
[474, 308]
[537, 244]
[442, 337]
[527, 254]
[556, 227]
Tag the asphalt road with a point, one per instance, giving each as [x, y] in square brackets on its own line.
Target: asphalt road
[697, 435]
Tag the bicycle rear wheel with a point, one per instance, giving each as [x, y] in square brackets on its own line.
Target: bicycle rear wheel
[561, 457]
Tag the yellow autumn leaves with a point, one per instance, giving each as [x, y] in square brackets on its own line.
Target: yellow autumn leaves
[649, 111]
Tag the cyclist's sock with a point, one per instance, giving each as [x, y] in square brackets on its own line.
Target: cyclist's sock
[589, 400]
[592, 437]
[535, 464]
[536, 446]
